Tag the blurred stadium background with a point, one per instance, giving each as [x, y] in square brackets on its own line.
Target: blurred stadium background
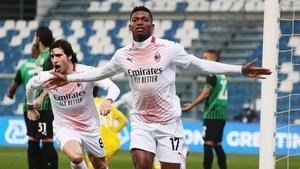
[96, 28]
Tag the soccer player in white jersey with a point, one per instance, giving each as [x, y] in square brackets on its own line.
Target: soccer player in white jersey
[150, 64]
[76, 121]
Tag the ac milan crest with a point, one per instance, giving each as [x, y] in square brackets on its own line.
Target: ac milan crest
[157, 57]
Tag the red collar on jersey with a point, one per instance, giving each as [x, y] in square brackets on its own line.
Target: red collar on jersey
[153, 39]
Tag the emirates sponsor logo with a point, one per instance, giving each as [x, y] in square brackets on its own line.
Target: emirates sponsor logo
[69, 96]
[144, 72]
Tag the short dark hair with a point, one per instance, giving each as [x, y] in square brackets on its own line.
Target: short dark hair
[217, 53]
[141, 8]
[66, 47]
[45, 35]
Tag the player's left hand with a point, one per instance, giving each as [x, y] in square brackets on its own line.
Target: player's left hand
[249, 70]
[105, 107]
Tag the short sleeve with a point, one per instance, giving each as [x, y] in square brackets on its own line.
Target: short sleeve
[18, 78]
[211, 81]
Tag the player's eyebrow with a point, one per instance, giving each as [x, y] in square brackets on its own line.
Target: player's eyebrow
[56, 54]
[141, 17]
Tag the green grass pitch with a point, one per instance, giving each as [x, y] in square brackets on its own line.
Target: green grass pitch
[15, 158]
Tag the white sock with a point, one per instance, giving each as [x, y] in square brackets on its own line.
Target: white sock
[81, 165]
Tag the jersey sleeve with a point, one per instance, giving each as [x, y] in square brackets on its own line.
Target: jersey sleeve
[181, 57]
[111, 68]
[211, 67]
[35, 83]
[18, 78]
[112, 89]
[211, 81]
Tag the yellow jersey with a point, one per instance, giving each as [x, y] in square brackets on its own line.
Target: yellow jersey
[110, 126]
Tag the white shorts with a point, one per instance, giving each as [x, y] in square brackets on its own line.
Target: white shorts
[90, 142]
[166, 141]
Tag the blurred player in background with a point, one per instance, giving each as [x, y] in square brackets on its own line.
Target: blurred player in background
[215, 113]
[35, 130]
[111, 125]
[45, 157]
[76, 121]
[150, 64]
[43, 39]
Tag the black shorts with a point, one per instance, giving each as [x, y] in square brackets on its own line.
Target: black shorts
[213, 130]
[41, 128]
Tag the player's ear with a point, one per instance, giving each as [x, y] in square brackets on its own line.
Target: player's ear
[69, 57]
[152, 27]
[130, 27]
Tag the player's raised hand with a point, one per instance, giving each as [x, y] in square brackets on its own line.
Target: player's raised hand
[57, 80]
[105, 107]
[249, 70]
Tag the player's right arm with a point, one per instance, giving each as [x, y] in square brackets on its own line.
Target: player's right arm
[210, 84]
[181, 58]
[14, 85]
[111, 68]
[96, 74]
[31, 87]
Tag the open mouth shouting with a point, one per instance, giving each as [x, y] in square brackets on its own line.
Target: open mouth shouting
[56, 68]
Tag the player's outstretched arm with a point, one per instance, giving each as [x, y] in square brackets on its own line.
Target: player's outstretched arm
[59, 79]
[249, 70]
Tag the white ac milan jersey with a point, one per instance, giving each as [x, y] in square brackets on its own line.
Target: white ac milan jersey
[152, 79]
[151, 68]
[73, 104]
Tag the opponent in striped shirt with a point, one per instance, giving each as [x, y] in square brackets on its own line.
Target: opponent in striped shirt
[150, 64]
[214, 95]
[76, 121]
